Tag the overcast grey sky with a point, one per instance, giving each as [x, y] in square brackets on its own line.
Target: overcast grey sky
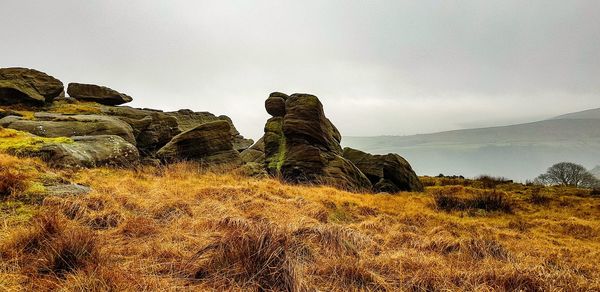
[379, 67]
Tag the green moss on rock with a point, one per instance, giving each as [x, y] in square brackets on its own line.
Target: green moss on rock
[17, 142]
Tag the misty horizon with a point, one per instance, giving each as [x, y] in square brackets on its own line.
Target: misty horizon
[384, 68]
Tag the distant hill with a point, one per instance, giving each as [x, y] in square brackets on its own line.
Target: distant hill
[587, 114]
[516, 151]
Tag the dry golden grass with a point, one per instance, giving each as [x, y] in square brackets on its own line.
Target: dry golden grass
[182, 228]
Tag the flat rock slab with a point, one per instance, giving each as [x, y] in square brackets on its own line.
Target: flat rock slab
[57, 125]
[97, 93]
[90, 151]
[67, 190]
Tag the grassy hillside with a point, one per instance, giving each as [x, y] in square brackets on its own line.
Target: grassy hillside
[517, 151]
[181, 227]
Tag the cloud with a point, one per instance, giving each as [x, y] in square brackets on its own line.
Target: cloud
[380, 67]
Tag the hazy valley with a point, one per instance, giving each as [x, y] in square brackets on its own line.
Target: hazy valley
[518, 152]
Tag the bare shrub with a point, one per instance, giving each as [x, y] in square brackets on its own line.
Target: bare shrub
[491, 182]
[538, 198]
[448, 201]
[485, 200]
[490, 201]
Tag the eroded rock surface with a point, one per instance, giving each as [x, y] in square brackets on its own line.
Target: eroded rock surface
[152, 129]
[303, 146]
[209, 143]
[97, 93]
[58, 125]
[28, 86]
[388, 173]
[90, 151]
[188, 119]
[255, 154]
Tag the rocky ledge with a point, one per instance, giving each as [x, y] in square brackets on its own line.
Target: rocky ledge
[90, 127]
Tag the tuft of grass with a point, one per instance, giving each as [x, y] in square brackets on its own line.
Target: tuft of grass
[75, 249]
[259, 257]
[17, 175]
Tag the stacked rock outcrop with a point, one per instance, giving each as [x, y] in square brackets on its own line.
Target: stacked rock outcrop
[108, 133]
[302, 145]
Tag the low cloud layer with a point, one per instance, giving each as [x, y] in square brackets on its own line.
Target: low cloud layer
[380, 67]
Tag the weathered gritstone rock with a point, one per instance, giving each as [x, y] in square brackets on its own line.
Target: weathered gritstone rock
[58, 125]
[96, 93]
[303, 146]
[152, 129]
[255, 154]
[28, 86]
[388, 173]
[63, 190]
[188, 120]
[209, 143]
[90, 151]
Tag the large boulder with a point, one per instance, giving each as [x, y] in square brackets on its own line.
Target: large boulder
[58, 125]
[96, 93]
[254, 154]
[209, 143]
[388, 173]
[188, 119]
[90, 151]
[303, 146]
[152, 129]
[29, 86]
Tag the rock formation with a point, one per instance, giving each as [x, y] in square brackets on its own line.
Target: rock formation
[209, 143]
[152, 129]
[22, 85]
[89, 128]
[57, 125]
[256, 153]
[90, 151]
[188, 119]
[388, 173]
[96, 93]
[302, 145]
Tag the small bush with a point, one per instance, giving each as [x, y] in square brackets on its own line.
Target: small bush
[490, 182]
[538, 198]
[595, 192]
[490, 201]
[448, 201]
[486, 200]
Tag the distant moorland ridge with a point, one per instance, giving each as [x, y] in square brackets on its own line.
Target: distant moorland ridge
[519, 151]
